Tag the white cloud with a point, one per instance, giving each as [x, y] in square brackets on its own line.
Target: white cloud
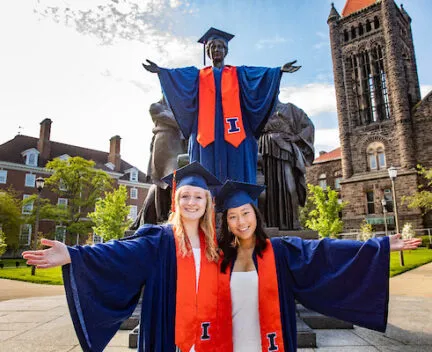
[326, 139]
[270, 42]
[425, 90]
[314, 98]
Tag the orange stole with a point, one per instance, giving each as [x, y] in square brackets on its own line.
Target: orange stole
[195, 322]
[268, 301]
[234, 132]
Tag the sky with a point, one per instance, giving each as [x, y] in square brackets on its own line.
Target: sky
[78, 62]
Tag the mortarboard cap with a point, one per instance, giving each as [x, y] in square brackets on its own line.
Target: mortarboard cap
[193, 174]
[214, 33]
[234, 194]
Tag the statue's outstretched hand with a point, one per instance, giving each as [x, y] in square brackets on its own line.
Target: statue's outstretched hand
[290, 67]
[151, 67]
[57, 255]
[399, 244]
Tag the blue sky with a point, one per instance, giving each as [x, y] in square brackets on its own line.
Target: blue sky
[78, 62]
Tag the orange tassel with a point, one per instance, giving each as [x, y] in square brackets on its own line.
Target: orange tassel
[174, 186]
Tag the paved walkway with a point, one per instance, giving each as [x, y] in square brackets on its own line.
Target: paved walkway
[42, 324]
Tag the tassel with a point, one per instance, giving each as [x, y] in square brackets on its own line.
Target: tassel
[173, 191]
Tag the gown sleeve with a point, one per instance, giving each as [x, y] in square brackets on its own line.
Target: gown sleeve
[180, 88]
[348, 280]
[103, 284]
[259, 89]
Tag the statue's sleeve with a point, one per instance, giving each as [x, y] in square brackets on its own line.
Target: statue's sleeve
[348, 280]
[180, 88]
[259, 89]
[103, 284]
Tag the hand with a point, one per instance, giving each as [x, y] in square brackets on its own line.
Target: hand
[57, 255]
[399, 244]
[152, 67]
[290, 68]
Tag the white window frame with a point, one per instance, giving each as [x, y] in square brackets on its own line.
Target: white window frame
[62, 186]
[3, 176]
[133, 212]
[30, 180]
[28, 208]
[97, 239]
[322, 181]
[337, 182]
[62, 202]
[134, 193]
[60, 233]
[26, 236]
[134, 176]
[32, 159]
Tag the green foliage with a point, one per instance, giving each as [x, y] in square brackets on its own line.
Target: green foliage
[423, 198]
[3, 244]
[325, 217]
[413, 259]
[110, 215]
[305, 211]
[10, 217]
[77, 180]
[366, 231]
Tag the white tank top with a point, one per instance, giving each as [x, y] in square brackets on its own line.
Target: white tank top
[245, 314]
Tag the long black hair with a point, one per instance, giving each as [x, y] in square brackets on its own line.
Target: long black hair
[226, 238]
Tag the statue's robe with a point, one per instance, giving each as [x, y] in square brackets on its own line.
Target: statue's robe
[259, 88]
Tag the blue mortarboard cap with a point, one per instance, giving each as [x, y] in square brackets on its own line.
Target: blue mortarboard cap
[214, 33]
[193, 174]
[234, 194]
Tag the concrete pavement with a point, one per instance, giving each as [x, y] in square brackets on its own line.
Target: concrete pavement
[42, 324]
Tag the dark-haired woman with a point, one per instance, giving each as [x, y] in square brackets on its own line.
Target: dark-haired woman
[260, 278]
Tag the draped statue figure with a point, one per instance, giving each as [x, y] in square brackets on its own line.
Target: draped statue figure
[286, 145]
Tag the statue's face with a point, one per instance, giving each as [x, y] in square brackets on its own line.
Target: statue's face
[217, 50]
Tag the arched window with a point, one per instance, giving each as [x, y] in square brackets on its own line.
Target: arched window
[376, 22]
[368, 26]
[346, 35]
[353, 32]
[376, 156]
[337, 179]
[322, 181]
[361, 30]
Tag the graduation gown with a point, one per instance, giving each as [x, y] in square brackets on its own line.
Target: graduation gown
[344, 279]
[259, 88]
[103, 285]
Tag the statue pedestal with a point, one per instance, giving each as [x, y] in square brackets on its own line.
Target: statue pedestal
[305, 234]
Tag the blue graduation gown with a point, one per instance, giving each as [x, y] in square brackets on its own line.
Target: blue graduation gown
[344, 279]
[103, 285]
[259, 88]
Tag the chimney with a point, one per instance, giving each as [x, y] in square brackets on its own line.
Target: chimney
[44, 144]
[114, 154]
[322, 152]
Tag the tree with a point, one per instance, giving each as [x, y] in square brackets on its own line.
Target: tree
[325, 217]
[10, 217]
[423, 198]
[366, 231]
[110, 215]
[3, 244]
[76, 180]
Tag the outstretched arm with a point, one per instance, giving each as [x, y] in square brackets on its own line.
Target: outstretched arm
[289, 67]
[151, 67]
[399, 244]
[57, 255]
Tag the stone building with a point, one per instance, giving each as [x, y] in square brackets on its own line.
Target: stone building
[23, 159]
[382, 120]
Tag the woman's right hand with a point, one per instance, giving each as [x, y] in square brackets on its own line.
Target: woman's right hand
[57, 255]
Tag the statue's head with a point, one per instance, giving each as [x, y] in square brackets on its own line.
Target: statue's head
[216, 44]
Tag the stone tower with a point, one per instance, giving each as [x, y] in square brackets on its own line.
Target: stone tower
[377, 87]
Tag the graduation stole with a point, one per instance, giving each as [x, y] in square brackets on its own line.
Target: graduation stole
[268, 301]
[234, 132]
[195, 319]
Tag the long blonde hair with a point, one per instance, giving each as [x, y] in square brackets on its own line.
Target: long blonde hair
[205, 223]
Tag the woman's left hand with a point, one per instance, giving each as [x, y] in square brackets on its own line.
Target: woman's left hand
[399, 244]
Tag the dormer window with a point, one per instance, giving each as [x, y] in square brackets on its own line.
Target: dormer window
[134, 175]
[110, 166]
[31, 156]
[64, 157]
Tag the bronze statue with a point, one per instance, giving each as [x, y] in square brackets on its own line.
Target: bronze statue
[286, 145]
[167, 143]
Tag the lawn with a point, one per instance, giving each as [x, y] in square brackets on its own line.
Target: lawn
[23, 273]
[413, 259]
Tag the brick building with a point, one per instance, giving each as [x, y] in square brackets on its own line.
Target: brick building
[23, 159]
[382, 120]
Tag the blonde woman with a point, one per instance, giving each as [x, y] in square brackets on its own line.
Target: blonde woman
[103, 282]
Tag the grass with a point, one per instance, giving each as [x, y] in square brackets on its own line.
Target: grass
[413, 259]
[51, 276]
